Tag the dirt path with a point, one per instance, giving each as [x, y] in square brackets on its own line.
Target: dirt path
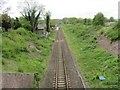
[107, 45]
[61, 71]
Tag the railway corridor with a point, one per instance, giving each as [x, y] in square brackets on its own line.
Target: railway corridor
[61, 72]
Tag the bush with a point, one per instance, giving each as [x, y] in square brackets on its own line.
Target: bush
[25, 24]
[110, 32]
[17, 44]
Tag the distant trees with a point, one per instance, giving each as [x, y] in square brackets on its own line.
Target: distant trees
[32, 12]
[106, 19]
[87, 21]
[65, 20]
[81, 20]
[54, 21]
[72, 20]
[111, 19]
[99, 19]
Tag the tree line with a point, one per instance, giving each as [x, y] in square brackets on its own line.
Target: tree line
[31, 13]
[99, 19]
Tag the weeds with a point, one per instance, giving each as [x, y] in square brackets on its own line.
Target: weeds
[110, 32]
[19, 57]
[92, 60]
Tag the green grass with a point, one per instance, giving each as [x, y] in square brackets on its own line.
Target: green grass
[18, 56]
[93, 61]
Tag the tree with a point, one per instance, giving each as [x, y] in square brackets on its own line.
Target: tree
[16, 23]
[32, 12]
[6, 21]
[99, 19]
[111, 19]
[73, 20]
[87, 21]
[48, 21]
[24, 23]
[81, 20]
[65, 20]
[106, 19]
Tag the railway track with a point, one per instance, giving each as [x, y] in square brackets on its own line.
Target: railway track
[61, 78]
[62, 73]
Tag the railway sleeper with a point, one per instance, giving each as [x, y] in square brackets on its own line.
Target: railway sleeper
[61, 81]
[61, 85]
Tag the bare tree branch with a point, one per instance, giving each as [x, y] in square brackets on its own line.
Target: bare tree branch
[31, 12]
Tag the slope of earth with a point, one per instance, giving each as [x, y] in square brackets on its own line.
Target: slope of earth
[25, 52]
[93, 61]
[109, 46]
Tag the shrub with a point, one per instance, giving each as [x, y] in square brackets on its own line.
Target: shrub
[110, 32]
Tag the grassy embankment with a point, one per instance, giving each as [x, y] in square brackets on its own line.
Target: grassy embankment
[93, 61]
[25, 52]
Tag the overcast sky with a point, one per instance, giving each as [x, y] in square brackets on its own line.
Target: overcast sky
[72, 8]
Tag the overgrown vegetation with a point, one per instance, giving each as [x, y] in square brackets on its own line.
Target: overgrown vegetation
[109, 27]
[93, 61]
[24, 51]
[99, 19]
[110, 32]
